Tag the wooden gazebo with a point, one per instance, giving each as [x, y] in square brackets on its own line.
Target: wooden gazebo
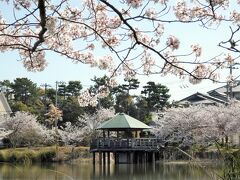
[130, 126]
[122, 137]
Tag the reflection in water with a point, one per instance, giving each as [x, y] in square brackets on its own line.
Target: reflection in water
[86, 171]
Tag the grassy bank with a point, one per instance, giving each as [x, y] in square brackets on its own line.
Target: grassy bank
[43, 154]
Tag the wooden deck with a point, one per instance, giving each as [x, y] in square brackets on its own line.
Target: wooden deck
[129, 144]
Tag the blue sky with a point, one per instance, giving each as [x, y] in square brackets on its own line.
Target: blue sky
[61, 69]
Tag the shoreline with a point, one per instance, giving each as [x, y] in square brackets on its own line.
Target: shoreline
[44, 154]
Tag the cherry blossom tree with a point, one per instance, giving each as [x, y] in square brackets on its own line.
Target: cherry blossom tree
[131, 34]
[202, 125]
[89, 122]
[85, 128]
[53, 115]
[23, 129]
[72, 134]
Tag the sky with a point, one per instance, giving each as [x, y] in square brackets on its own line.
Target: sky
[61, 69]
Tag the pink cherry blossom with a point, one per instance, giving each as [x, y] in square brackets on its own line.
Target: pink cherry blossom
[173, 42]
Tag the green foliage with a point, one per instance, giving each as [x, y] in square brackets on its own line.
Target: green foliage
[27, 97]
[71, 110]
[105, 102]
[47, 155]
[25, 90]
[143, 110]
[73, 88]
[232, 166]
[155, 98]
[20, 106]
[6, 87]
[125, 101]
[132, 84]
[147, 118]
[51, 95]
[156, 95]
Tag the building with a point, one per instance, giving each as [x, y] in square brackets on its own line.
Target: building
[219, 95]
[200, 98]
[4, 106]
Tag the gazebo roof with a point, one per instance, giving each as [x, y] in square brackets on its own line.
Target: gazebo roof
[121, 122]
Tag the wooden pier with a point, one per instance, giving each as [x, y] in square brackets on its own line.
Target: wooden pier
[128, 150]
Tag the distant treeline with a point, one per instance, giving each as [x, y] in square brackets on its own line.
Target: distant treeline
[24, 95]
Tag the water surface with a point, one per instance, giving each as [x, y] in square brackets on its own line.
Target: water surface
[86, 171]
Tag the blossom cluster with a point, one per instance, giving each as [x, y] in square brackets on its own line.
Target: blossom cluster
[202, 125]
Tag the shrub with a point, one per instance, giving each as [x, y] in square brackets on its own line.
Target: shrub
[27, 156]
[47, 155]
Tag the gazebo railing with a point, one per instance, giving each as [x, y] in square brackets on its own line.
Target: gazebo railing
[126, 144]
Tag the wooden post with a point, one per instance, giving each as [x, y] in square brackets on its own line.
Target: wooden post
[108, 163]
[131, 157]
[108, 158]
[104, 136]
[115, 158]
[138, 161]
[100, 158]
[104, 163]
[104, 158]
[153, 157]
[144, 157]
[128, 157]
[94, 158]
[108, 133]
[145, 162]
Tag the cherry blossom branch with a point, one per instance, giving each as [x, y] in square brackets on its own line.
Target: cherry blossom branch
[42, 14]
[231, 41]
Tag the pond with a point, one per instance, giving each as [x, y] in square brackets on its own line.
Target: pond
[86, 171]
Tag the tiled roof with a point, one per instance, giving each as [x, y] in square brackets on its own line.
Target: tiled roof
[198, 98]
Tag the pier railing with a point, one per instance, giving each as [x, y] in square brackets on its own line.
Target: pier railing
[131, 144]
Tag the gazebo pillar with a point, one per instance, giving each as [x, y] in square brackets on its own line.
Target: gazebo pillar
[104, 134]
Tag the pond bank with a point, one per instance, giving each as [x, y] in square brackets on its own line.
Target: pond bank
[82, 154]
[44, 154]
